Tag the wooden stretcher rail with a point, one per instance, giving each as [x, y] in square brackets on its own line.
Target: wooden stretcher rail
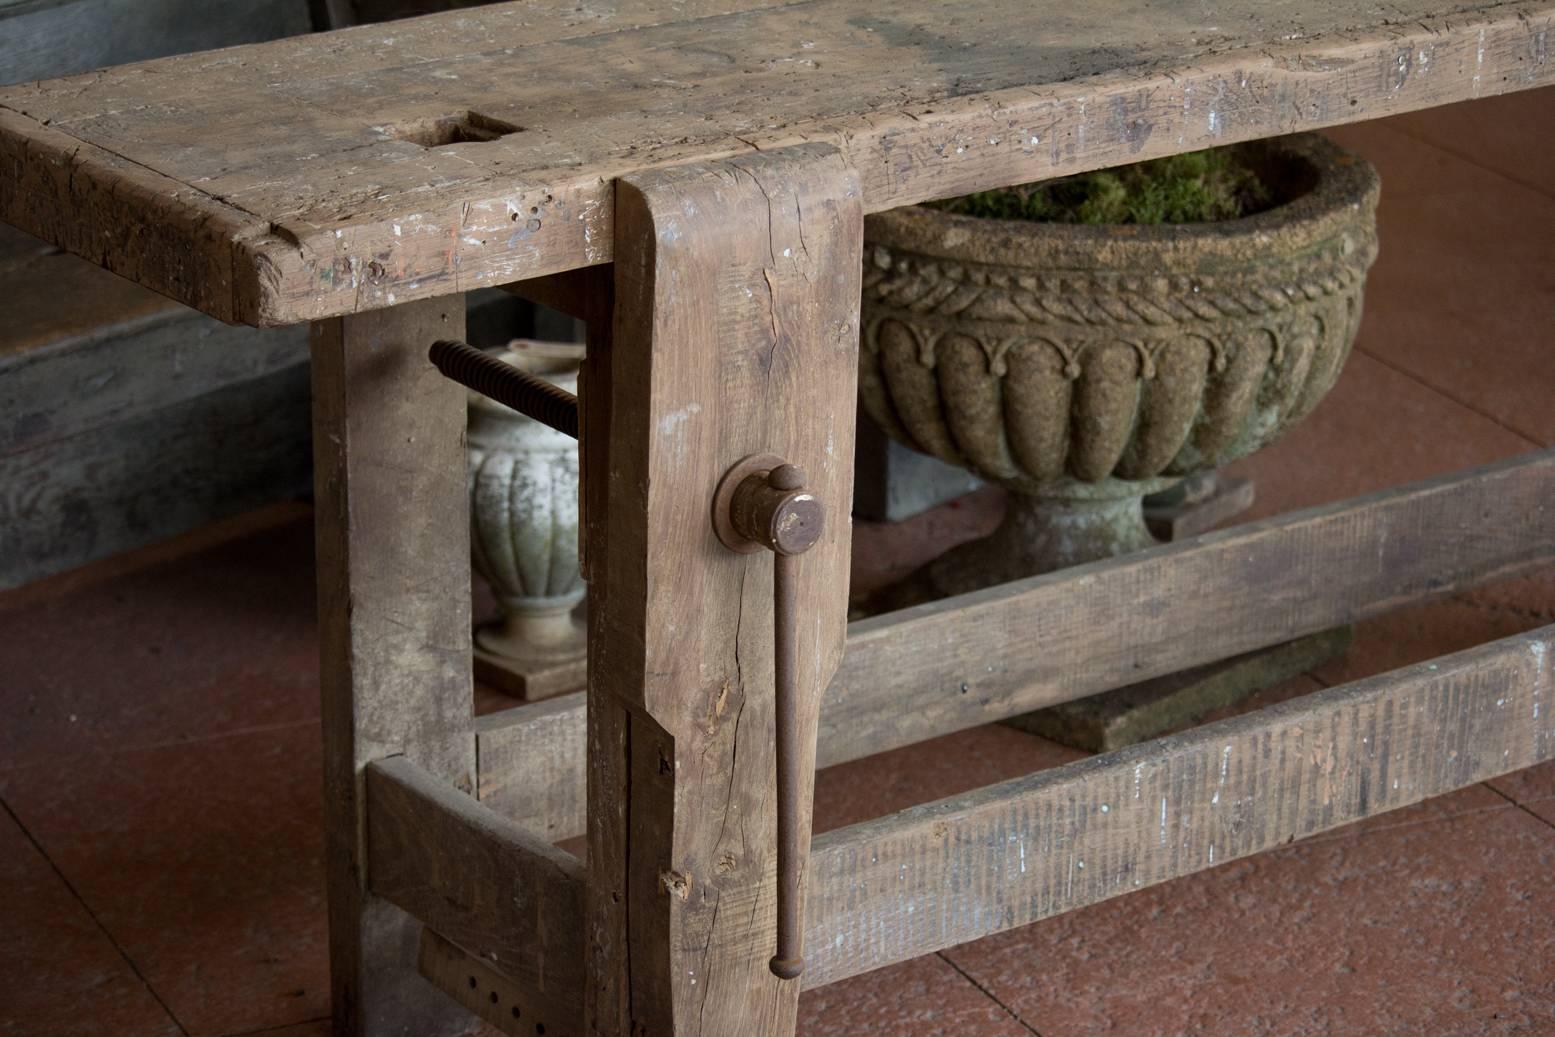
[488, 993]
[982, 657]
[1010, 854]
[480, 881]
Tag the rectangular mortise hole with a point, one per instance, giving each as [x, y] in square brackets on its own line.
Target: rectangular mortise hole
[459, 128]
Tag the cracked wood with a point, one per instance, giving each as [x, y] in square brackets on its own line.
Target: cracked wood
[736, 324]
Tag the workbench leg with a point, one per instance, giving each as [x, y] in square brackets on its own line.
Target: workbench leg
[393, 561]
[735, 333]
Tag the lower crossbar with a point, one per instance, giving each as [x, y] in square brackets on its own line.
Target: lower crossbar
[1010, 854]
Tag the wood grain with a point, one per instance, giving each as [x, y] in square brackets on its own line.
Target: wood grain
[316, 199]
[965, 661]
[393, 558]
[1010, 854]
[116, 352]
[112, 487]
[735, 332]
[507, 897]
[488, 993]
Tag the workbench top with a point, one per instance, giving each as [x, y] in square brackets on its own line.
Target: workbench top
[341, 172]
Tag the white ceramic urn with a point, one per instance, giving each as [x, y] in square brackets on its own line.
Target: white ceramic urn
[523, 481]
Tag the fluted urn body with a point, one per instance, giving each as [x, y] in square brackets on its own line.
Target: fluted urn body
[1084, 366]
[523, 483]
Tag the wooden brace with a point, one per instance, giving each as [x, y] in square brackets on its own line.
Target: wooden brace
[735, 333]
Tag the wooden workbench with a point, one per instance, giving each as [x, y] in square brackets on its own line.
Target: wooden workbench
[691, 178]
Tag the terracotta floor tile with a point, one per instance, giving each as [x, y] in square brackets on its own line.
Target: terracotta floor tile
[1463, 294]
[1417, 634]
[1440, 929]
[1513, 134]
[1544, 810]
[1377, 428]
[925, 997]
[876, 785]
[216, 641]
[59, 974]
[315, 1028]
[204, 862]
[1533, 789]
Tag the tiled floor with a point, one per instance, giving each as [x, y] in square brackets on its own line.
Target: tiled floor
[159, 757]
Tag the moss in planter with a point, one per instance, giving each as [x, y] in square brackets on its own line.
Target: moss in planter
[1199, 187]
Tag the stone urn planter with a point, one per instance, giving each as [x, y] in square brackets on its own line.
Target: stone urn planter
[1085, 366]
[523, 483]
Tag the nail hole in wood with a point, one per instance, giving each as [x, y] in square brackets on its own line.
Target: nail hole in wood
[459, 128]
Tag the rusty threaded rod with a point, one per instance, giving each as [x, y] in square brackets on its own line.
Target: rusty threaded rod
[532, 397]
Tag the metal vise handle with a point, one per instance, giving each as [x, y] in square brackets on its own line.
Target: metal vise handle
[762, 502]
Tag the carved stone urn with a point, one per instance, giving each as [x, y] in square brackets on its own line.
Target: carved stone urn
[523, 482]
[1083, 366]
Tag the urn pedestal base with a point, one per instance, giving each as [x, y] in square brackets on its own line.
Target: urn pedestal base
[1149, 709]
[532, 655]
[1068, 524]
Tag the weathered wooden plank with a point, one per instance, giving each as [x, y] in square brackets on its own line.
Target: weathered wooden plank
[1010, 854]
[972, 660]
[116, 424]
[19, 248]
[491, 995]
[735, 333]
[37, 280]
[608, 722]
[125, 217]
[114, 352]
[109, 488]
[532, 763]
[511, 899]
[329, 192]
[393, 557]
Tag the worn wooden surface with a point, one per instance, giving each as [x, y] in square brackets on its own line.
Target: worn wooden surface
[508, 1006]
[97, 361]
[912, 675]
[393, 557]
[125, 418]
[323, 188]
[506, 896]
[65, 502]
[36, 279]
[735, 332]
[1009, 854]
